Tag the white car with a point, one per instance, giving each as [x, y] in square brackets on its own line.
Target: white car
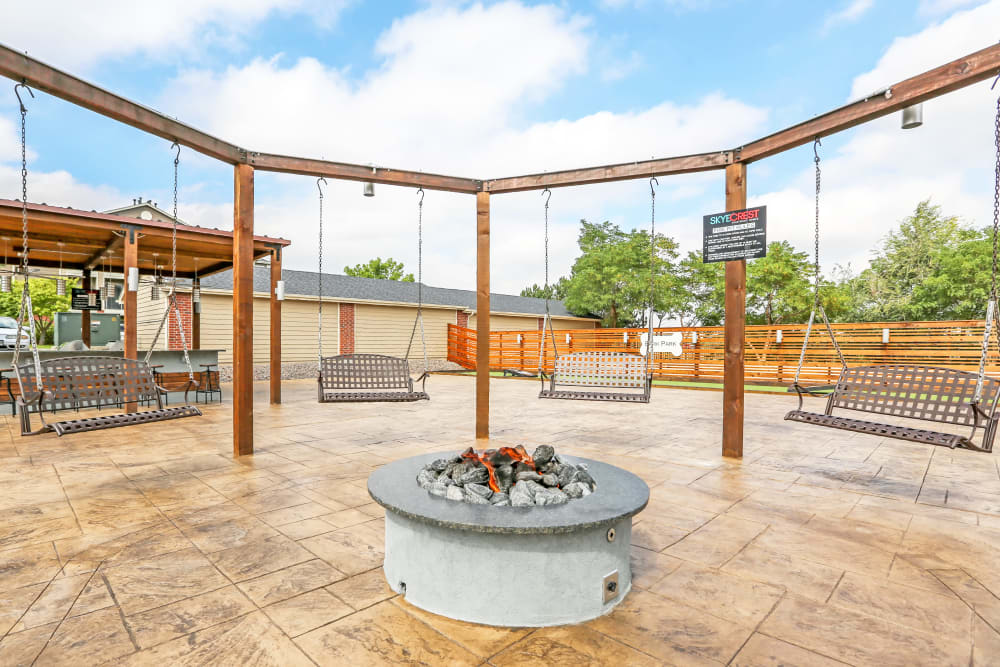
[8, 333]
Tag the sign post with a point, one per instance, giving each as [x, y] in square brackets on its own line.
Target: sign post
[735, 235]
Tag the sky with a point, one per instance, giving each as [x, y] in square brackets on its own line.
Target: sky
[490, 89]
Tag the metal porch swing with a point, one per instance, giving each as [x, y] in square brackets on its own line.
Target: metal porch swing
[596, 375]
[929, 393]
[372, 378]
[72, 383]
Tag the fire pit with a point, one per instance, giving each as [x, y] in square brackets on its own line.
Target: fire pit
[503, 565]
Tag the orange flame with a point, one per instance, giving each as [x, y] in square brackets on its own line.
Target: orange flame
[515, 454]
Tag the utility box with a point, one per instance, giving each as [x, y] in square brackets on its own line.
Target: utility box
[104, 328]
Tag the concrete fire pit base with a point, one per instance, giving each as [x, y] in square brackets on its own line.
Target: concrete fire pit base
[509, 566]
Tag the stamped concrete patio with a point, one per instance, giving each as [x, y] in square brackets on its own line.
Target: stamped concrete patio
[150, 545]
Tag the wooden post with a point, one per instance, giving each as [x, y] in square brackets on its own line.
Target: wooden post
[736, 295]
[196, 320]
[85, 314]
[243, 311]
[131, 343]
[275, 328]
[483, 315]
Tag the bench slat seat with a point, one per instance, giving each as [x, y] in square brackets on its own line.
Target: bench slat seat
[927, 393]
[365, 378]
[75, 383]
[600, 372]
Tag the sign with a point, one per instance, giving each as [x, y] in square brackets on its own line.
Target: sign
[662, 343]
[735, 235]
[85, 299]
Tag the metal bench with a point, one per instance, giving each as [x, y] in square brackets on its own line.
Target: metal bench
[603, 373]
[360, 378]
[74, 383]
[915, 392]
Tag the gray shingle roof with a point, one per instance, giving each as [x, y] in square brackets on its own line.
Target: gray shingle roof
[305, 283]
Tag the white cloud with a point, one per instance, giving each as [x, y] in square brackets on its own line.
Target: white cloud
[940, 7]
[879, 175]
[850, 13]
[75, 35]
[617, 69]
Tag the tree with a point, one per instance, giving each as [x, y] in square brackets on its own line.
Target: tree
[45, 303]
[960, 286]
[611, 277]
[778, 286]
[389, 269]
[555, 291]
[703, 287]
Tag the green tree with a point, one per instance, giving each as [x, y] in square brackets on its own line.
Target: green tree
[703, 289]
[960, 285]
[555, 291]
[388, 269]
[778, 286]
[611, 277]
[45, 304]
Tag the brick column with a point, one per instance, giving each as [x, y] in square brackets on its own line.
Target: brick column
[541, 323]
[173, 331]
[462, 319]
[346, 321]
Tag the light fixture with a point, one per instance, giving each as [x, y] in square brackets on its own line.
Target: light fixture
[133, 279]
[279, 290]
[60, 281]
[5, 283]
[369, 186]
[154, 292]
[778, 336]
[913, 116]
[196, 285]
[91, 298]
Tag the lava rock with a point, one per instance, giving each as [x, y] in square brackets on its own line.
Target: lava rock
[438, 466]
[550, 497]
[576, 490]
[475, 476]
[455, 493]
[505, 477]
[425, 478]
[550, 480]
[448, 469]
[584, 476]
[528, 475]
[543, 454]
[460, 470]
[474, 498]
[445, 479]
[520, 496]
[480, 490]
[566, 474]
[499, 497]
[502, 503]
[438, 489]
[531, 486]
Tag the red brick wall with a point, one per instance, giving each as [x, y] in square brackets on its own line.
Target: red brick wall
[346, 328]
[173, 331]
[541, 323]
[463, 319]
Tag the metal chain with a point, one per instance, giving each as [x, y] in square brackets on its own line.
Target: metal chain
[991, 307]
[420, 284]
[319, 278]
[173, 240]
[652, 267]
[816, 145]
[547, 320]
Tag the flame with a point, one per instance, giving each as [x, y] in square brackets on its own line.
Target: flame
[515, 454]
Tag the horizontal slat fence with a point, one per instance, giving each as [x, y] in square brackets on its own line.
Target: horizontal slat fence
[772, 352]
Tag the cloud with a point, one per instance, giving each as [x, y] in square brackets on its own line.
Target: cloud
[851, 12]
[940, 7]
[76, 35]
[880, 172]
[617, 69]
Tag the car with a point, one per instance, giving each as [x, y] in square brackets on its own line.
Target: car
[8, 333]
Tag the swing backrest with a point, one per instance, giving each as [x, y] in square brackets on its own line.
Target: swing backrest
[90, 382]
[363, 372]
[930, 393]
[601, 369]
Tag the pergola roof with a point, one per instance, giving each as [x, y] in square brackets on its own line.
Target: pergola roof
[91, 240]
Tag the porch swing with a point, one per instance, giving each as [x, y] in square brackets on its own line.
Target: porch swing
[597, 375]
[913, 391]
[365, 377]
[86, 382]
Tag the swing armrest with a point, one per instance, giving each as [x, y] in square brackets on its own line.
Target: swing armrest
[818, 390]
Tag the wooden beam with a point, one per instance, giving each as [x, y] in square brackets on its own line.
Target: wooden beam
[275, 356]
[243, 311]
[130, 305]
[933, 83]
[85, 314]
[196, 321]
[42, 77]
[95, 259]
[483, 315]
[685, 164]
[735, 326]
[356, 172]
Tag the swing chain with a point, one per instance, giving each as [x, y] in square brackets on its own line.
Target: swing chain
[816, 159]
[173, 240]
[652, 266]
[319, 276]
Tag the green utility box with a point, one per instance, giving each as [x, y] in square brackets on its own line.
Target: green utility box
[104, 328]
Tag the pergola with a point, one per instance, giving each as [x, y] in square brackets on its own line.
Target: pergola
[87, 241]
[933, 83]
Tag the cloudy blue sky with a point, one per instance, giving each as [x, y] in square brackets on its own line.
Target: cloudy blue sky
[496, 89]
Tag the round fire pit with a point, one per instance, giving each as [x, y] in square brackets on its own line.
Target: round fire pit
[509, 566]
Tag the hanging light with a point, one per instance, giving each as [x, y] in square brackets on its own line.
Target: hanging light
[369, 186]
[913, 116]
[196, 285]
[91, 298]
[60, 281]
[5, 283]
[154, 292]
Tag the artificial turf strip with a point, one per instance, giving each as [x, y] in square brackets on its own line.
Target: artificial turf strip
[680, 384]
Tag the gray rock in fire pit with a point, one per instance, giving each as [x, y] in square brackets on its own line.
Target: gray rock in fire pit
[455, 493]
[543, 454]
[550, 480]
[550, 497]
[505, 477]
[520, 496]
[480, 490]
[474, 498]
[438, 489]
[499, 497]
[528, 475]
[425, 478]
[475, 476]
[577, 490]
[438, 465]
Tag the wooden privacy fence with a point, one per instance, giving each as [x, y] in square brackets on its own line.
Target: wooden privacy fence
[771, 352]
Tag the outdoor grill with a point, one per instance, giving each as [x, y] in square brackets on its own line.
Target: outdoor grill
[504, 565]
